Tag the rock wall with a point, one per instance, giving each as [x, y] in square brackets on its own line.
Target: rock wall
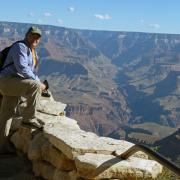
[62, 151]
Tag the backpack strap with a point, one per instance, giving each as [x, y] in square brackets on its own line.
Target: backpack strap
[7, 66]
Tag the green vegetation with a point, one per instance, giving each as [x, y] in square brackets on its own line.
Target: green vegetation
[167, 175]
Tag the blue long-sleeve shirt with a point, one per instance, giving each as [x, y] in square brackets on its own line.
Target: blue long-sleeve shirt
[23, 65]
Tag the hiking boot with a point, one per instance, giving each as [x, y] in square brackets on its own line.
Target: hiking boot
[33, 124]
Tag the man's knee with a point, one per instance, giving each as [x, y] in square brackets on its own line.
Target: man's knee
[34, 86]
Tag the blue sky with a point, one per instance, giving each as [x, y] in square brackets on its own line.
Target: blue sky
[161, 16]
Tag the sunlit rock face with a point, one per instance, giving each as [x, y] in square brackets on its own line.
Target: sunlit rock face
[63, 151]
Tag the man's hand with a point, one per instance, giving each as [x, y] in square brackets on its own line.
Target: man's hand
[43, 86]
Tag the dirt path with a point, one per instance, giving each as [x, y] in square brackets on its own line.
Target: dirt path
[16, 167]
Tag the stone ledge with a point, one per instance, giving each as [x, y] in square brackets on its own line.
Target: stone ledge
[62, 151]
[100, 166]
[51, 107]
[77, 142]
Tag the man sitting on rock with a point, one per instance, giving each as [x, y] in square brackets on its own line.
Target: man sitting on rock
[18, 79]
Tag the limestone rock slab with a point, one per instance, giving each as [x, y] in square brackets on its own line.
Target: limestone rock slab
[57, 159]
[43, 169]
[51, 107]
[35, 147]
[41, 149]
[53, 121]
[99, 166]
[74, 142]
[21, 139]
[47, 171]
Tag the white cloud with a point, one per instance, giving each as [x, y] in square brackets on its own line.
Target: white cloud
[71, 9]
[47, 14]
[154, 26]
[59, 21]
[103, 17]
[31, 14]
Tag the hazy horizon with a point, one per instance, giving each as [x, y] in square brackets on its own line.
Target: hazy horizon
[109, 15]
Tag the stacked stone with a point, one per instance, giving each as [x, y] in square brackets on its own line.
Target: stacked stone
[62, 151]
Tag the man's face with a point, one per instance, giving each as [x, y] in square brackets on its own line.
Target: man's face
[33, 40]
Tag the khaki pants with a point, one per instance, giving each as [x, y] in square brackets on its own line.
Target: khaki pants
[12, 88]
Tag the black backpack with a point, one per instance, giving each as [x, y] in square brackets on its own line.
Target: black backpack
[3, 56]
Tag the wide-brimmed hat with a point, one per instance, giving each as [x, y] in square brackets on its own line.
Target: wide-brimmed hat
[34, 30]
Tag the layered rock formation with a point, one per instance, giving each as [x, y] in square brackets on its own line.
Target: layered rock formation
[110, 79]
[63, 151]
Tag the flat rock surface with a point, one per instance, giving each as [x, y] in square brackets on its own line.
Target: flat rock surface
[16, 167]
[74, 142]
[100, 166]
[51, 107]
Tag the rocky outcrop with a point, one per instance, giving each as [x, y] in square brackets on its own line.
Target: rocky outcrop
[63, 151]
